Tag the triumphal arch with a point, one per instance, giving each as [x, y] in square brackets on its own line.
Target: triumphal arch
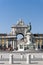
[23, 29]
[10, 40]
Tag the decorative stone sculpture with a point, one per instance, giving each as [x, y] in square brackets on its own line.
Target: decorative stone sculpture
[29, 27]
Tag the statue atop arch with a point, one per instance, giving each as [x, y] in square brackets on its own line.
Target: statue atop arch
[20, 22]
[23, 29]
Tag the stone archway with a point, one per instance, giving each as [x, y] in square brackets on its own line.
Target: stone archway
[20, 39]
[20, 36]
[20, 28]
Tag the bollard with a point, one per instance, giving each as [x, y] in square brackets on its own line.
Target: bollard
[28, 61]
[1, 56]
[22, 56]
[42, 56]
[32, 56]
[11, 59]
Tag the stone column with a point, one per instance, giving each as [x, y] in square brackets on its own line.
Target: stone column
[36, 45]
[7, 43]
[13, 44]
[41, 43]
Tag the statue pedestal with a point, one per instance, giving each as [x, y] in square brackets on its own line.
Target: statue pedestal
[28, 35]
[20, 49]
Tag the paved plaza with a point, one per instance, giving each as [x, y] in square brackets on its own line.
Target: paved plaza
[20, 58]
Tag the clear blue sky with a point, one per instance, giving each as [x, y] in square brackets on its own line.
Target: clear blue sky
[28, 10]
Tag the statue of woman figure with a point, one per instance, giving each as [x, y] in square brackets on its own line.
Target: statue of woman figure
[29, 27]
